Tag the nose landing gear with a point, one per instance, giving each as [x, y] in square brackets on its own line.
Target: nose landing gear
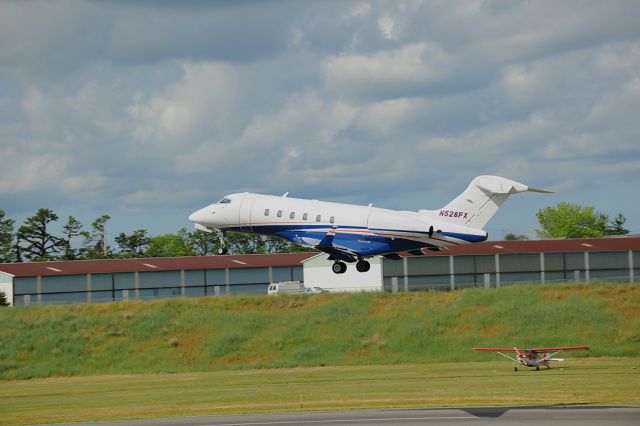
[223, 246]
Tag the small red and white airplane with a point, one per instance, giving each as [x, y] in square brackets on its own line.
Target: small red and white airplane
[534, 357]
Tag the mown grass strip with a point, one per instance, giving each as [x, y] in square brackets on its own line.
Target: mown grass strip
[578, 381]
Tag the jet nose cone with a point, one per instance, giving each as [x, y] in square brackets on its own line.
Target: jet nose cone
[199, 216]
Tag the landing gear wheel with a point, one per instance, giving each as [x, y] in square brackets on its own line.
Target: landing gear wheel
[515, 368]
[222, 250]
[339, 267]
[363, 266]
[537, 368]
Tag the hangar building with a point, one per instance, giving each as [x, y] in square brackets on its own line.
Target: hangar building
[486, 264]
[146, 278]
[490, 264]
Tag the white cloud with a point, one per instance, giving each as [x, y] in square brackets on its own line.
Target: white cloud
[392, 102]
[294, 137]
[410, 69]
[28, 172]
[142, 200]
[386, 117]
[203, 99]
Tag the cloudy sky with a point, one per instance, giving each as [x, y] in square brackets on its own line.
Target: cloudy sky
[148, 110]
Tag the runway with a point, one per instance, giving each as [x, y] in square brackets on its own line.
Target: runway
[582, 415]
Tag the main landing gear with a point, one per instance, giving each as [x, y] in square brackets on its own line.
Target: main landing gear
[363, 266]
[339, 267]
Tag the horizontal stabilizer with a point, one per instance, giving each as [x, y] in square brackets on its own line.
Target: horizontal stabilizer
[541, 191]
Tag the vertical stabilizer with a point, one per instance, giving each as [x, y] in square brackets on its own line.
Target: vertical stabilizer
[481, 200]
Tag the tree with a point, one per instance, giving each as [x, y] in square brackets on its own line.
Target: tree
[70, 230]
[616, 227]
[280, 245]
[276, 244]
[133, 245]
[95, 244]
[169, 245]
[202, 243]
[513, 237]
[568, 220]
[244, 243]
[40, 244]
[7, 250]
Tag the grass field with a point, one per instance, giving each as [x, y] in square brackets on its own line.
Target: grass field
[225, 333]
[214, 355]
[577, 381]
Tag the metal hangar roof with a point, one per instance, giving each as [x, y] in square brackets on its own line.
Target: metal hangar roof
[75, 267]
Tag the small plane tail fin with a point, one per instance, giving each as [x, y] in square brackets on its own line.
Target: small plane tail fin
[481, 200]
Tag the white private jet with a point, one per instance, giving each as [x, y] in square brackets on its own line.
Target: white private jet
[351, 233]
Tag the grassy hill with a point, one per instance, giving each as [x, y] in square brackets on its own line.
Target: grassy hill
[218, 333]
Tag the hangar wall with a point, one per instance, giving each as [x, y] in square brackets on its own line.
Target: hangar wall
[318, 273]
[494, 270]
[117, 286]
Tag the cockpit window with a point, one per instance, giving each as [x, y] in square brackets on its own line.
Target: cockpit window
[225, 200]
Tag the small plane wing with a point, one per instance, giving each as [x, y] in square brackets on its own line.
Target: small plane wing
[536, 350]
[560, 349]
[496, 349]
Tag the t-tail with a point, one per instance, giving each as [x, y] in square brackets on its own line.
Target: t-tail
[480, 201]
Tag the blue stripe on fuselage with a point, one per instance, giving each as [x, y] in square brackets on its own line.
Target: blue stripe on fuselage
[364, 244]
[466, 237]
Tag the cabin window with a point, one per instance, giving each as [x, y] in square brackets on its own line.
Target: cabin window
[305, 216]
[318, 218]
[279, 213]
[292, 215]
[266, 212]
[332, 219]
[225, 200]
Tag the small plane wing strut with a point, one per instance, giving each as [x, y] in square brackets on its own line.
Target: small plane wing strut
[507, 356]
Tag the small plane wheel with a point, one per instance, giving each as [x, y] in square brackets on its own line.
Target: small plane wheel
[537, 368]
[339, 267]
[363, 266]
[515, 368]
[222, 250]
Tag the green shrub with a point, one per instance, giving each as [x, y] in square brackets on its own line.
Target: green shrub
[3, 299]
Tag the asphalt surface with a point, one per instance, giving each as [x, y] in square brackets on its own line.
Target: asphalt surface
[581, 415]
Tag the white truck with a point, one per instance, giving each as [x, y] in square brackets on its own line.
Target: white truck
[289, 287]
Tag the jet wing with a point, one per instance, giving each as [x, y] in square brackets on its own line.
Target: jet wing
[335, 253]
